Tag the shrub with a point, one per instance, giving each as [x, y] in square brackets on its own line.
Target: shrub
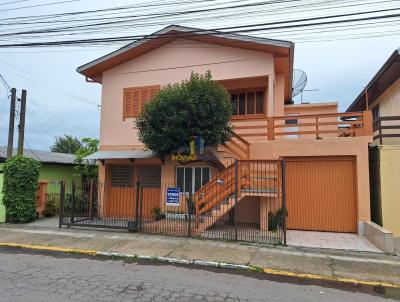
[51, 206]
[275, 221]
[21, 176]
[156, 213]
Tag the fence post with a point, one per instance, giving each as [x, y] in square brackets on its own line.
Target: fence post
[190, 207]
[236, 197]
[284, 200]
[62, 195]
[137, 207]
[72, 204]
[140, 209]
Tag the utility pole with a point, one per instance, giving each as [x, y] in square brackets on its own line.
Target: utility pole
[21, 126]
[11, 123]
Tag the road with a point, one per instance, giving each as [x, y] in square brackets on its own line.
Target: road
[27, 276]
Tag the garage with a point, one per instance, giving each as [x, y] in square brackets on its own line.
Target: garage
[321, 194]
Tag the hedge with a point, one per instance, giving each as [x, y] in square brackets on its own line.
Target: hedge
[20, 185]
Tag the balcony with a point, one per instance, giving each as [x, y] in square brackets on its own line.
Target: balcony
[319, 126]
[386, 129]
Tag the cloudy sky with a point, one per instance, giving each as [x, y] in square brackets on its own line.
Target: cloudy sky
[339, 60]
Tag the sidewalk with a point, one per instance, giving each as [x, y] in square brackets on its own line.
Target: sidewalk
[332, 264]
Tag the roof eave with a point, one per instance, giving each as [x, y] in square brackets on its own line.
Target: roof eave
[180, 29]
[381, 71]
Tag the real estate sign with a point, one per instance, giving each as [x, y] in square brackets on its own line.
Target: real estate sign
[172, 196]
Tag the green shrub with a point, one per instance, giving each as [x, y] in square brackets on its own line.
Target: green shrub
[21, 176]
[157, 214]
[275, 221]
[51, 207]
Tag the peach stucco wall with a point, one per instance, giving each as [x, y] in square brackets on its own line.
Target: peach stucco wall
[353, 146]
[171, 63]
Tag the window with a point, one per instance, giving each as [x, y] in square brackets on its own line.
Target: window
[150, 176]
[191, 179]
[248, 102]
[135, 98]
[121, 176]
[291, 122]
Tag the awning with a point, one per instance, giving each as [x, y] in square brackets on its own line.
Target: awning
[129, 154]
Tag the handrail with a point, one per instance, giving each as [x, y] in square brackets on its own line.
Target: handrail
[252, 178]
[378, 126]
[289, 117]
[359, 124]
[242, 146]
[220, 186]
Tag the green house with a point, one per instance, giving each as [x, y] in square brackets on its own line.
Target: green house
[55, 167]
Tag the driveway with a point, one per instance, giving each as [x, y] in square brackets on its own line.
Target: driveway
[328, 240]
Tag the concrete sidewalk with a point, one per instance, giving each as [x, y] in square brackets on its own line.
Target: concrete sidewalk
[332, 264]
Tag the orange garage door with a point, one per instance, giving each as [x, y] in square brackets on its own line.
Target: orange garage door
[321, 194]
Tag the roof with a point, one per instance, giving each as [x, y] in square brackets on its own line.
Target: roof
[45, 157]
[386, 76]
[280, 49]
[126, 154]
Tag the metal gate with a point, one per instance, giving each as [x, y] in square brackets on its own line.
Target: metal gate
[246, 202]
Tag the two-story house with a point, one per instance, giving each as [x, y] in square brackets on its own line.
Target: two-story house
[325, 152]
[382, 97]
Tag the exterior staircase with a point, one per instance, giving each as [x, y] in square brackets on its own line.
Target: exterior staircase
[239, 179]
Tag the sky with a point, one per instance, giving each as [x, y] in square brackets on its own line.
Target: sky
[61, 102]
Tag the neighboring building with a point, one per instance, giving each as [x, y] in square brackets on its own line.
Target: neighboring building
[55, 167]
[326, 151]
[382, 97]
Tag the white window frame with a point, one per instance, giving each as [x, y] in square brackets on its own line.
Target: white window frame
[193, 176]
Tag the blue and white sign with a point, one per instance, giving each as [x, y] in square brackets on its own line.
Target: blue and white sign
[172, 196]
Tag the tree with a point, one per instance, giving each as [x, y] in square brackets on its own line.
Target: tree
[66, 144]
[195, 107]
[21, 176]
[84, 168]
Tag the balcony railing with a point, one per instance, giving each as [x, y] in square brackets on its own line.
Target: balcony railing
[386, 127]
[349, 124]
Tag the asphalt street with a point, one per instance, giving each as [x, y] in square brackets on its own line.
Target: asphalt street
[27, 276]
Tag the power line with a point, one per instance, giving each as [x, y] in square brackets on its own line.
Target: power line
[12, 2]
[5, 82]
[48, 84]
[217, 31]
[108, 23]
[38, 5]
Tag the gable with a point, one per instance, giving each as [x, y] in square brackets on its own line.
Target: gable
[282, 51]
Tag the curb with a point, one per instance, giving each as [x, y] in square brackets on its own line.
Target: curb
[214, 264]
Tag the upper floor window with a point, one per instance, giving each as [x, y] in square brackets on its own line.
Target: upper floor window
[248, 102]
[135, 98]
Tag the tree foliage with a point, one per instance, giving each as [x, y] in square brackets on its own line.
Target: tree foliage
[197, 106]
[82, 167]
[21, 176]
[66, 144]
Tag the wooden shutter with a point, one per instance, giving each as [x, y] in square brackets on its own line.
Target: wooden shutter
[135, 98]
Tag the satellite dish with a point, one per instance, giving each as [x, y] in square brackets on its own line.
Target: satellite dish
[299, 81]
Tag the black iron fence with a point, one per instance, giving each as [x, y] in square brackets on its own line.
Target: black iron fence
[245, 201]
